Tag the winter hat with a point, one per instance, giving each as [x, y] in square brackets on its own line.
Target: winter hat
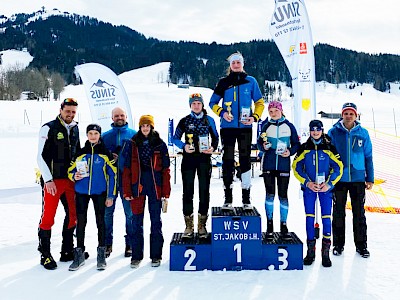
[316, 125]
[93, 127]
[146, 119]
[236, 56]
[275, 104]
[351, 106]
[195, 97]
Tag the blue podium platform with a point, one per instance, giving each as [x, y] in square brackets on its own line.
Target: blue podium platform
[190, 254]
[236, 243]
[282, 254]
[236, 239]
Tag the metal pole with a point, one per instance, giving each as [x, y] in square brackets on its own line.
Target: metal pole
[394, 118]
[373, 120]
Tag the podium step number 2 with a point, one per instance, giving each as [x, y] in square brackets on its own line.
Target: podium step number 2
[236, 243]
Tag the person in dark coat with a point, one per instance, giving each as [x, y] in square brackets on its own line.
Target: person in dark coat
[197, 150]
[146, 174]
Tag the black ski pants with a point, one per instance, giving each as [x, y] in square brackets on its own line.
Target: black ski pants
[357, 197]
[229, 136]
[200, 163]
[82, 204]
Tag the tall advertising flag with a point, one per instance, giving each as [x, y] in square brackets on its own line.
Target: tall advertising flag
[104, 91]
[291, 31]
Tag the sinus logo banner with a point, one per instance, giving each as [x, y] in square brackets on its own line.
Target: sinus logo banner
[291, 32]
[104, 92]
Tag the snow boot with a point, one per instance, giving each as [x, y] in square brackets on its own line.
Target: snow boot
[326, 245]
[101, 258]
[246, 199]
[79, 259]
[189, 230]
[310, 257]
[67, 246]
[201, 226]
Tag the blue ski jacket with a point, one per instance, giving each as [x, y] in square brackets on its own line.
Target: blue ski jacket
[241, 91]
[316, 159]
[115, 140]
[278, 130]
[102, 173]
[355, 149]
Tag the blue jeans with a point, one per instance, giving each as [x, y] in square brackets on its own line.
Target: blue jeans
[109, 222]
[138, 205]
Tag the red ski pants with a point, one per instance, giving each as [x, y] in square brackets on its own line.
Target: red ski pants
[50, 204]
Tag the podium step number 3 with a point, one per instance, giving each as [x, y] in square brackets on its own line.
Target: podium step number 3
[236, 243]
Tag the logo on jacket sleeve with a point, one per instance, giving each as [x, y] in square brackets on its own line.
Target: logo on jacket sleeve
[60, 136]
[360, 142]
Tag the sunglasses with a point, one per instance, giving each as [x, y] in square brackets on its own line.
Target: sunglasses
[69, 101]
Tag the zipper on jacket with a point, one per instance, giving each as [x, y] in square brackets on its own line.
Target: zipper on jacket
[348, 156]
[152, 174]
[91, 170]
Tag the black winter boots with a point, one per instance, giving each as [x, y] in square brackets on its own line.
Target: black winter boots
[310, 257]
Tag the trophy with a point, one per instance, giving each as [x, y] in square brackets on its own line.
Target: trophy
[190, 140]
[229, 109]
[265, 139]
[264, 136]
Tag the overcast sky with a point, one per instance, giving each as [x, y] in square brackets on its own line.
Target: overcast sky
[362, 25]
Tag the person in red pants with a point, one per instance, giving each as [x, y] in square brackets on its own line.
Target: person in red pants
[58, 144]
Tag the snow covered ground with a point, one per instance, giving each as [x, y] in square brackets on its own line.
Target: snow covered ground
[21, 276]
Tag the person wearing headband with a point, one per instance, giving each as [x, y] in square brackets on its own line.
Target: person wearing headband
[318, 167]
[238, 101]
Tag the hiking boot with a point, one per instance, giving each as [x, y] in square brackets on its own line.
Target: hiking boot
[135, 263]
[363, 251]
[227, 207]
[326, 261]
[189, 230]
[310, 257]
[79, 260]
[128, 251]
[109, 250]
[337, 250]
[156, 262]
[201, 226]
[101, 258]
[48, 262]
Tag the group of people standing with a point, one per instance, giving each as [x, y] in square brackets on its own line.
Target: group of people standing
[136, 165]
